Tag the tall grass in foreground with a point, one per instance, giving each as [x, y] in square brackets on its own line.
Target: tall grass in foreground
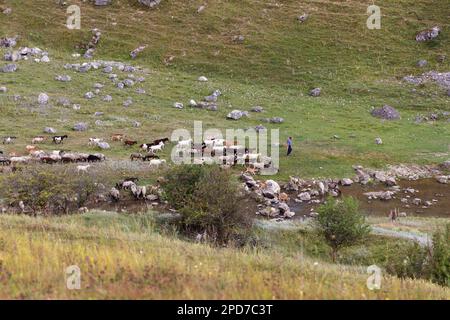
[123, 257]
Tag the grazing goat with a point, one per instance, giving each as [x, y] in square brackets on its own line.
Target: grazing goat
[38, 139]
[158, 141]
[9, 139]
[130, 142]
[83, 169]
[5, 162]
[126, 183]
[31, 149]
[59, 139]
[117, 137]
[157, 162]
[93, 158]
[149, 157]
[158, 147]
[24, 159]
[184, 144]
[115, 194]
[138, 192]
[136, 156]
[94, 141]
[49, 159]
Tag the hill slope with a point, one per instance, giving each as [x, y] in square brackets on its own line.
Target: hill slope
[277, 64]
[122, 257]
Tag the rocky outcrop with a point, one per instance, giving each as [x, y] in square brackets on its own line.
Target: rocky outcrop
[150, 3]
[386, 112]
[429, 34]
[236, 114]
[102, 2]
[81, 126]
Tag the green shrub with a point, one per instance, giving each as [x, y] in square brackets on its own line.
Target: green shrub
[341, 223]
[439, 264]
[209, 203]
[429, 262]
[48, 189]
[409, 262]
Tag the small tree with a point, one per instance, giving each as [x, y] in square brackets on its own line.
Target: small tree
[209, 203]
[439, 264]
[341, 223]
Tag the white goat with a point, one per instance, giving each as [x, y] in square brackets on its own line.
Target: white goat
[83, 169]
[158, 147]
[183, 144]
[94, 141]
[157, 162]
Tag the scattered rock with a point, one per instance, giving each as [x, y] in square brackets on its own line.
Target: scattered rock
[150, 3]
[45, 59]
[238, 39]
[178, 105]
[8, 42]
[271, 189]
[9, 68]
[43, 98]
[443, 179]
[137, 51]
[260, 128]
[63, 102]
[382, 195]
[63, 78]
[304, 196]
[49, 130]
[378, 141]
[108, 69]
[102, 2]
[276, 120]
[429, 34]
[315, 92]
[128, 82]
[81, 126]
[103, 145]
[107, 98]
[257, 109]
[89, 95]
[386, 112]
[346, 182]
[303, 17]
[422, 63]
[128, 102]
[236, 114]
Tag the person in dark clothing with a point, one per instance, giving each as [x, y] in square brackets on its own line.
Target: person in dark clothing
[289, 146]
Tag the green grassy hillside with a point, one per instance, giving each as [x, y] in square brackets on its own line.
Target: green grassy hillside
[123, 257]
[278, 63]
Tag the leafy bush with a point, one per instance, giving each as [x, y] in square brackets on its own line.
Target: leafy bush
[209, 203]
[439, 265]
[430, 262]
[48, 189]
[341, 223]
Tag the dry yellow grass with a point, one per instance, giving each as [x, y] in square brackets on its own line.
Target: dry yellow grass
[120, 257]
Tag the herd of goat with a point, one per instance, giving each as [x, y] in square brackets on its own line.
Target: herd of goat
[218, 151]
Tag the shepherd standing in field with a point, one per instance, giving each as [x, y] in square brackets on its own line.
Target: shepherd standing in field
[289, 146]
